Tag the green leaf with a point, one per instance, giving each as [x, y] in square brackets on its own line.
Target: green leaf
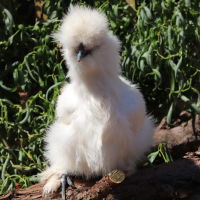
[169, 37]
[170, 112]
[152, 156]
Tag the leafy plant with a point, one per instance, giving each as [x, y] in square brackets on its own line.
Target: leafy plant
[164, 57]
[162, 153]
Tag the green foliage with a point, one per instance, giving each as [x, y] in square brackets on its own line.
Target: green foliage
[162, 153]
[33, 72]
[164, 57]
[160, 53]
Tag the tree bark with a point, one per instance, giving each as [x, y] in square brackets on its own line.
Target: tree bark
[184, 137]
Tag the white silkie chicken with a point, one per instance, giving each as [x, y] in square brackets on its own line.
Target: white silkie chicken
[101, 122]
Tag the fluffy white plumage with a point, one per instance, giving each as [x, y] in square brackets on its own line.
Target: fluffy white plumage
[101, 122]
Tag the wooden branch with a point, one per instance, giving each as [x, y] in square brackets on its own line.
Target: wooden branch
[168, 181]
[183, 138]
[100, 189]
[177, 180]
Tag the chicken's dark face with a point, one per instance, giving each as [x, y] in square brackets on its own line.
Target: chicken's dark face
[84, 51]
[81, 52]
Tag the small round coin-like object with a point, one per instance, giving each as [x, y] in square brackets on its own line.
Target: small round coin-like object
[116, 176]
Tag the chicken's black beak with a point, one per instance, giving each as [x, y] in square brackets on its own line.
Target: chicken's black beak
[81, 52]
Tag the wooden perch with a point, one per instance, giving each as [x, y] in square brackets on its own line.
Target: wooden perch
[100, 189]
[177, 180]
[185, 137]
